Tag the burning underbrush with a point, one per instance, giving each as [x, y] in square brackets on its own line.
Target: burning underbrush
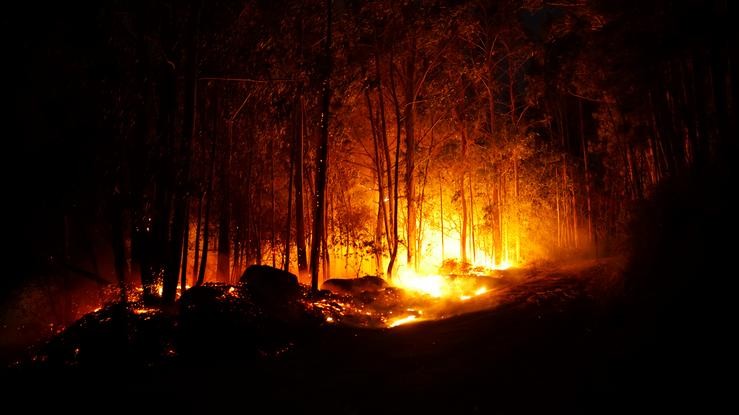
[264, 316]
[408, 299]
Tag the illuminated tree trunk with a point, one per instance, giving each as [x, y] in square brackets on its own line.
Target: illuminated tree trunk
[463, 199]
[398, 126]
[419, 239]
[272, 191]
[556, 196]
[209, 200]
[119, 245]
[291, 174]
[517, 209]
[382, 213]
[441, 218]
[185, 248]
[189, 130]
[224, 223]
[463, 231]
[584, 146]
[322, 158]
[299, 213]
[258, 215]
[386, 149]
[326, 265]
[472, 222]
[410, 152]
[499, 213]
[196, 256]
[378, 240]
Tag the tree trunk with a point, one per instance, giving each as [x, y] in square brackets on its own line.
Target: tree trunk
[584, 144]
[472, 223]
[299, 213]
[322, 158]
[410, 152]
[385, 147]
[398, 124]
[463, 231]
[185, 250]
[441, 218]
[517, 209]
[206, 228]
[196, 256]
[119, 246]
[272, 190]
[286, 263]
[224, 222]
[382, 214]
[188, 129]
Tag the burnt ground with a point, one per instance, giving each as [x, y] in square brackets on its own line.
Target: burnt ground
[559, 341]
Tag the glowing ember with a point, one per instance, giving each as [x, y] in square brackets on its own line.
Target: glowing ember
[140, 311]
[402, 320]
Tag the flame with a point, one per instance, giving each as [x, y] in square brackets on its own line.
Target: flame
[503, 265]
[433, 285]
[402, 320]
[440, 286]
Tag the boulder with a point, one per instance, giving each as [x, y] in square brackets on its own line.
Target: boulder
[354, 286]
[265, 283]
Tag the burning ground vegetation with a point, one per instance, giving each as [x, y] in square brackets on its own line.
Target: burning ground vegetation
[268, 315]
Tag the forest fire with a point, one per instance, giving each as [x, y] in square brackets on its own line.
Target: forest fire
[423, 191]
[440, 286]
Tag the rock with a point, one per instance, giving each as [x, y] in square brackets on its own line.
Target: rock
[270, 284]
[354, 286]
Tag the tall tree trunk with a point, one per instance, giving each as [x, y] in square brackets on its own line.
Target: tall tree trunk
[286, 263]
[518, 209]
[584, 145]
[196, 256]
[398, 125]
[174, 197]
[410, 151]
[499, 245]
[322, 157]
[224, 222]
[385, 146]
[299, 213]
[378, 240]
[272, 191]
[206, 228]
[441, 218]
[119, 246]
[463, 231]
[188, 132]
[472, 223]
[382, 213]
[257, 223]
[185, 251]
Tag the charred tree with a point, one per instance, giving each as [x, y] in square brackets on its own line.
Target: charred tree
[322, 156]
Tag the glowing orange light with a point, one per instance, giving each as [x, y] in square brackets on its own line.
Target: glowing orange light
[403, 320]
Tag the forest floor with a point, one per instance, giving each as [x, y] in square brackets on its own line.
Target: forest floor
[553, 342]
